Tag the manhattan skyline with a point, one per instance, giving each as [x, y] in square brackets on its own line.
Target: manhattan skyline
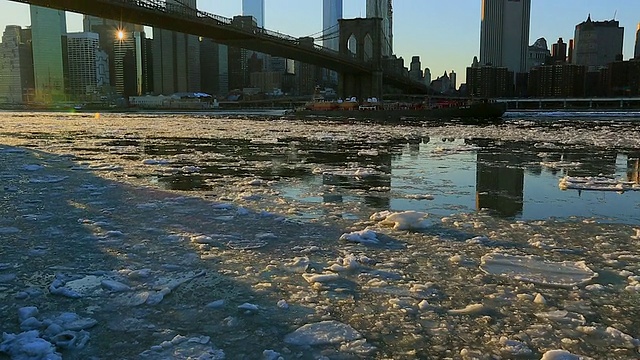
[446, 35]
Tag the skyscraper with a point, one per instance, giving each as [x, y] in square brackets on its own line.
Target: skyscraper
[415, 69]
[504, 33]
[597, 43]
[47, 27]
[109, 31]
[16, 65]
[383, 9]
[331, 13]
[128, 58]
[559, 51]
[254, 8]
[636, 53]
[176, 58]
[82, 52]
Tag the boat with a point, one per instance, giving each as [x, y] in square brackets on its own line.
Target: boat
[467, 110]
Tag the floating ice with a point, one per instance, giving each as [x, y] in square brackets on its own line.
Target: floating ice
[28, 346]
[562, 355]
[183, 348]
[470, 309]
[363, 236]
[514, 347]
[32, 167]
[563, 317]
[419, 197]
[320, 278]
[537, 271]
[249, 307]
[322, 333]
[50, 179]
[406, 220]
[9, 230]
[155, 162]
[597, 184]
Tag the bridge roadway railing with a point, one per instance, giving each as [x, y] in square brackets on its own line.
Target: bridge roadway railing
[190, 13]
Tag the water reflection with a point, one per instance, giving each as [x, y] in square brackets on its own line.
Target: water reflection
[514, 179]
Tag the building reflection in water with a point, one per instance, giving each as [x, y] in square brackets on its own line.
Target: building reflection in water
[499, 180]
[633, 167]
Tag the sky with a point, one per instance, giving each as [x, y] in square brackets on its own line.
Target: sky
[444, 33]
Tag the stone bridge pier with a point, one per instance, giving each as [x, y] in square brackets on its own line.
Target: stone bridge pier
[361, 39]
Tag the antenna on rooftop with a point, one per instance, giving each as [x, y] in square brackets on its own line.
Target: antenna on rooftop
[614, 14]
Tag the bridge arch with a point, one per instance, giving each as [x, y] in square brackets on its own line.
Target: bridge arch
[362, 39]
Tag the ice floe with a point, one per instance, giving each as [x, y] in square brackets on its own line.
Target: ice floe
[322, 333]
[597, 184]
[405, 220]
[536, 270]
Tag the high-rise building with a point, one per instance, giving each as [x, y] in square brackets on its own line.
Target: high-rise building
[47, 28]
[383, 9]
[16, 66]
[128, 56]
[636, 53]
[453, 80]
[254, 8]
[82, 51]
[176, 57]
[597, 43]
[110, 30]
[427, 76]
[415, 69]
[331, 13]
[504, 34]
[559, 51]
[537, 54]
[486, 81]
[102, 70]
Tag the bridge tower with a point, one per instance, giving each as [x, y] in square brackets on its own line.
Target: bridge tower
[362, 39]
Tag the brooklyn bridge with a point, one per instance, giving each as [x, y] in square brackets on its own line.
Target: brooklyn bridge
[362, 70]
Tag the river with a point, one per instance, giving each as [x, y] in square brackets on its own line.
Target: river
[255, 236]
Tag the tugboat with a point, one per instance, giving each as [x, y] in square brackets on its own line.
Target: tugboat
[372, 109]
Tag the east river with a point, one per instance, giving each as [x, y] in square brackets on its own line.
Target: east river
[211, 236]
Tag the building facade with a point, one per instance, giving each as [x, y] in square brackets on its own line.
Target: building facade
[383, 9]
[636, 52]
[597, 43]
[254, 8]
[557, 81]
[415, 69]
[16, 66]
[486, 81]
[504, 34]
[82, 54]
[128, 56]
[176, 57]
[47, 28]
[538, 54]
[559, 51]
[110, 31]
[331, 13]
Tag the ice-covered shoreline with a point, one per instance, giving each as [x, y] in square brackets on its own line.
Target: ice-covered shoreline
[228, 272]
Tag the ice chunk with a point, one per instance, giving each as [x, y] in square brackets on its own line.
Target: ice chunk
[322, 333]
[406, 220]
[28, 345]
[363, 236]
[562, 355]
[536, 270]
